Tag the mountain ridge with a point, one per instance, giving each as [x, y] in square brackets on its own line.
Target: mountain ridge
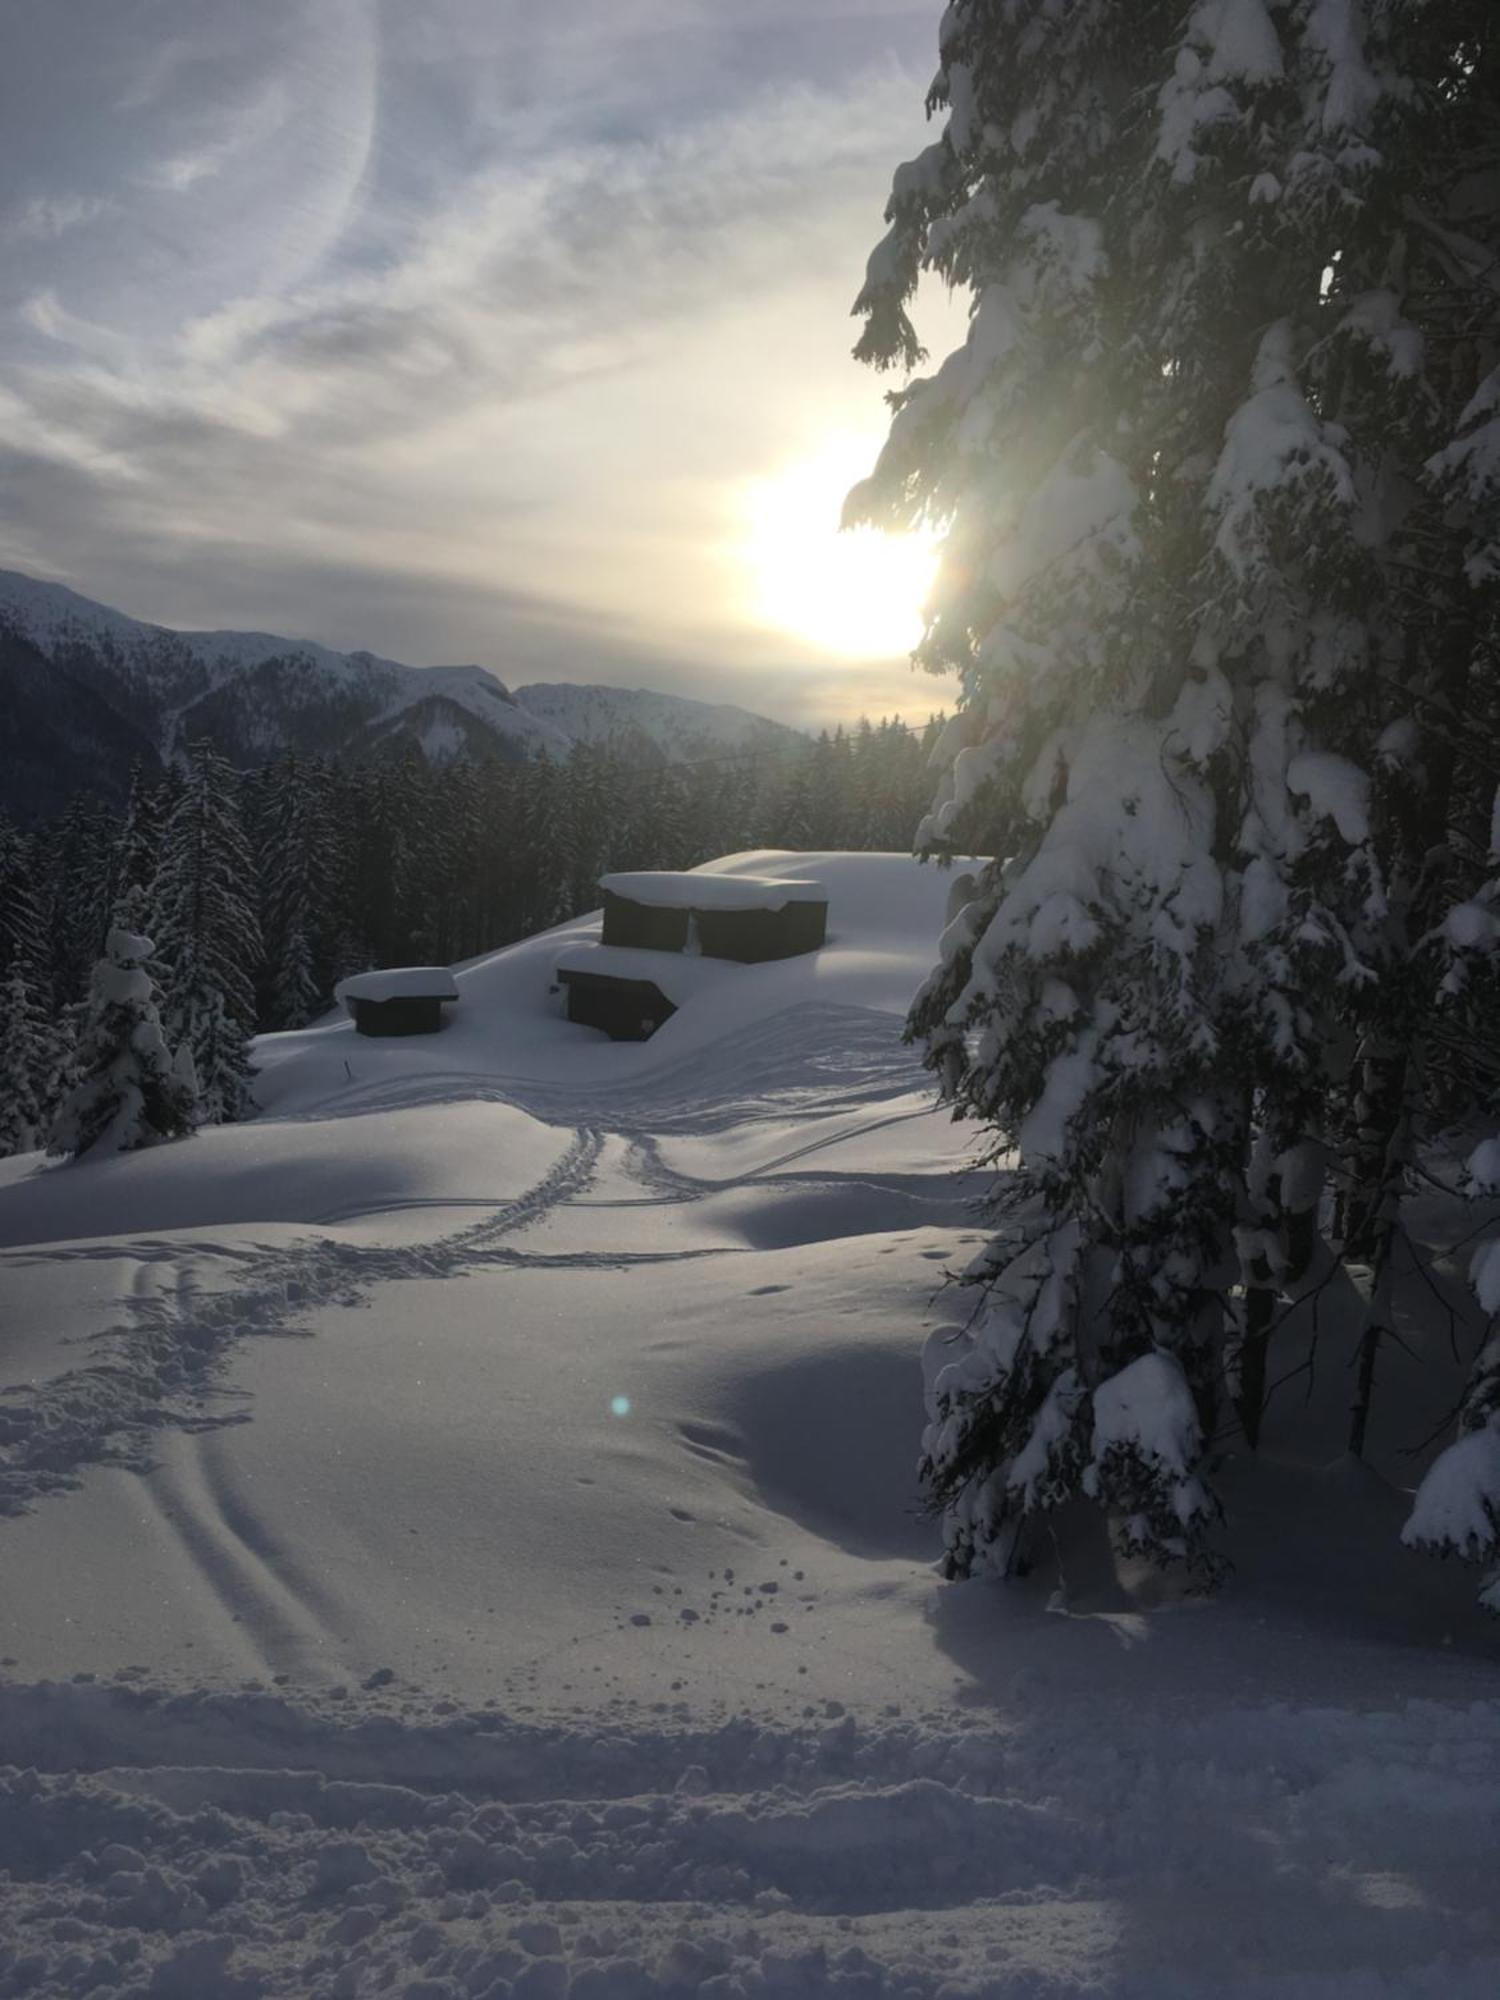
[257, 694]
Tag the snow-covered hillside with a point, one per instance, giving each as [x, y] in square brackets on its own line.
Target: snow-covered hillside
[459, 1539]
[254, 693]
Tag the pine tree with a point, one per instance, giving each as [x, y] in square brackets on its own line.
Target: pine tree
[1203, 591]
[33, 1045]
[291, 852]
[76, 896]
[22, 929]
[127, 1095]
[210, 940]
[28, 1065]
[137, 851]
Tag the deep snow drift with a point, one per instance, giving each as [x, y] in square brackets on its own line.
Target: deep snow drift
[459, 1538]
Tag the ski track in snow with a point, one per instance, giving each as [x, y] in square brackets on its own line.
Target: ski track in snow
[162, 1366]
[342, 1843]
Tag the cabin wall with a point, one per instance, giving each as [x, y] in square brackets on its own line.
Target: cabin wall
[628, 1010]
[749, 937]
[398, 1017]
[643, 926]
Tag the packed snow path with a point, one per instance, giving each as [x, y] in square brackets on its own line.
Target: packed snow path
[464, 1544]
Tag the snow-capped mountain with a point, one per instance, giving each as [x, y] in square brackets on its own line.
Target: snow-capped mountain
[673, 724]
[76, 672]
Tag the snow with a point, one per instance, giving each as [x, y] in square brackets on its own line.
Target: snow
[399, 982]
[1272, 443]
[1484, 1275]
[1458, 1503]
[1471, 927]
[467, 1544]
[1334, 789]
[1148, 1407]
[1483, 1167]
[666, 890]
[1079, 515]
[679, 975]
[1244, 42]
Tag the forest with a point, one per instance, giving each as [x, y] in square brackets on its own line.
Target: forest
[260, 890]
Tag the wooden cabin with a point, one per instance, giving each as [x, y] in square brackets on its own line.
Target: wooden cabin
[748, 918]
[401, 1000]
[677, 921]
[628, 1010]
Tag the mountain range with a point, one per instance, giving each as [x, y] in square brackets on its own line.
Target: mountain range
[86, 691]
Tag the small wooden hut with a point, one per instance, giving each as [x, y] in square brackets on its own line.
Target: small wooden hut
[628, 1010]
[401, 1000]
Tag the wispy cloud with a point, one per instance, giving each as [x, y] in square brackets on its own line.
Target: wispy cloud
[43, 218]
[255, 124]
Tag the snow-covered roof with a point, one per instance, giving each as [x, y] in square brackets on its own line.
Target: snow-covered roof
[665, 890]
[400, 982]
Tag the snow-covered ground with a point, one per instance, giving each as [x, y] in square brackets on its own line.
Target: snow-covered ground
[458, 1538]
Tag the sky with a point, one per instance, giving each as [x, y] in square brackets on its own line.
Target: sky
[508, 331]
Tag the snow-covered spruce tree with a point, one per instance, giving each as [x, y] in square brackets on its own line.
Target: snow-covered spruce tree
[1457, 1507]
[1202, 591]
[137, 854]
[128, 1092]
[28, 1065]
[33, 1045]
[292, 852]
[209, 943]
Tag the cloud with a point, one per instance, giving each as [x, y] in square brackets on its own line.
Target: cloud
[512, 398]
[43, 218]
[256, 124]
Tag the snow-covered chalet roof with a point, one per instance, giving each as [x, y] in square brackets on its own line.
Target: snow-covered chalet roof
[664, 890]
[399, 982]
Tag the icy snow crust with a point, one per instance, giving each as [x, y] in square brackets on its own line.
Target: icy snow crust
[458, 1538]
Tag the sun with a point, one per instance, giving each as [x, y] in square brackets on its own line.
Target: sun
[858, 594]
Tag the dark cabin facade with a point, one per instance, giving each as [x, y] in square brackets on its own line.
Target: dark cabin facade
[725, 916]
[642, 926]
[754, 937]
[628, 1010]
[397, 1017]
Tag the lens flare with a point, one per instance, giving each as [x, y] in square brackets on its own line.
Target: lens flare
[619, 1406]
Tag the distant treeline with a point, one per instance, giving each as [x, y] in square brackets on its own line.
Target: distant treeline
[262, 889]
